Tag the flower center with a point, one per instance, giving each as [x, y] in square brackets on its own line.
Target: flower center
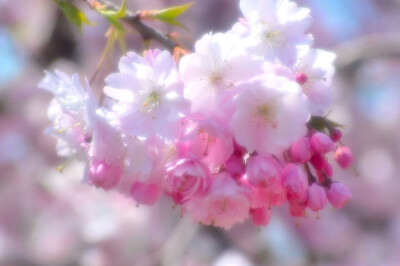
[271, 35]
[267, 112]
[151, 102]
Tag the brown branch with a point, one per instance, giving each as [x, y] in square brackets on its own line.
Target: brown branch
[134, 21]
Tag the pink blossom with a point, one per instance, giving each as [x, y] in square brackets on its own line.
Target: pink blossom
[344, 156]
[317, 69]
[148, 94]
[275, 29]
[223, 204]
[186, 177]
[316, 197]
[269, 116]
[318, 161]
[322, 143]
[301, 150]
[338, 194]
[295, 181]
[212, 71]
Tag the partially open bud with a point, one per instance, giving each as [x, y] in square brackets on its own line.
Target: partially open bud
[322, 143]
[263, 171]
[318, 161]
[295, 181]
[338, 194]
[234, 165]
[316, 197]
[344, 157]
[301, 150]
[103, 175]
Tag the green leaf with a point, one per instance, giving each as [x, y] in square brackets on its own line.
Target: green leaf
[112, 14]
[73, 14]
[116, 24]
[169, 15]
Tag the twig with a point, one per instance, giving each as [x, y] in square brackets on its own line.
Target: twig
[135, 22]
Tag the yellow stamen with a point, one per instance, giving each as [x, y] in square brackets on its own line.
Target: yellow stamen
[65, 164]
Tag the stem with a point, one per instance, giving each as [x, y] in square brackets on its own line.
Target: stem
[133, 20]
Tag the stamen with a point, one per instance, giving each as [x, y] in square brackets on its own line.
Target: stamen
[65, 129]
[151, 102]
[65, 164]
[224, 205]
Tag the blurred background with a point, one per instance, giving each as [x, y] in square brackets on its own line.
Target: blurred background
[51, 218]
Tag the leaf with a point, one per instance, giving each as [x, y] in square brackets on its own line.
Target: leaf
[112, 14]
[73, 14]
[116, 24]
[169, 15]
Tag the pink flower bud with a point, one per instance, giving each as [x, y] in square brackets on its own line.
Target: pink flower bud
[316, 197]
[144, 193]
[103, 175]
[335, 134]
[328, 169]
[263, 171]
[260, 216]
[295, 181]
[234, 165]
[338, 194]
[301, 78]
[322, 143]
[318, 161]
[297, 208]
[344, 157]
[301, 150]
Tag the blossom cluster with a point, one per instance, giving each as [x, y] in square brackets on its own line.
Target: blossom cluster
[225, 132]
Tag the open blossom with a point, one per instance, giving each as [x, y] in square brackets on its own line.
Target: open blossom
[70, 112]
[269, 116]
[212, 71]
[148, 95]
[314, 72]
[274, 29]
[223, 204]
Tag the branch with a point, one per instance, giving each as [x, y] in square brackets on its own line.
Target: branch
[134, 21]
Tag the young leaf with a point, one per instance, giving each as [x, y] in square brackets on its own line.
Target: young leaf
[73, 14]
[112, 14]
[169, 15]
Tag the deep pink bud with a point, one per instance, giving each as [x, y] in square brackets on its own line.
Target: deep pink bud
[328, 170]
[297, 208]
[234, 165]
[301, 78]
[263, 171]
[316, 197]
[338, 194]
[260, 216]
[295, 181]
[301, 150]
[335, 134]
[103, 175]
[344, 157]
[322, 143]
[318, 161]
[144, 193]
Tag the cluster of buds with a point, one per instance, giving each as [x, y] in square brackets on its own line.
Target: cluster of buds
[225, 132]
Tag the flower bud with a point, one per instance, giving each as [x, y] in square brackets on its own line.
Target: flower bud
[145, 193]
[318, 161]
[344, 157]
[335, 134]
[322, 143]
[103, 175]
[301, 150]
[260, 216]
[338, 194]
[295, 181]
[234, 165]
[263, 172]
[316, 197]
[301, 78]
[328, 169]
